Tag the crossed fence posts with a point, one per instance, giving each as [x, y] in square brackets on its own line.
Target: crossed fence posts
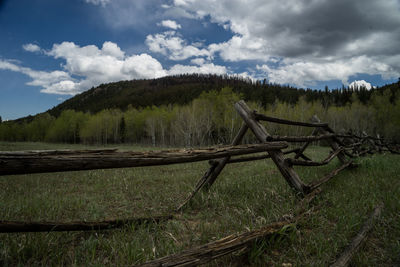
[340, 145]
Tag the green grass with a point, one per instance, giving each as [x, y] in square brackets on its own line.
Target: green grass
[245, 196]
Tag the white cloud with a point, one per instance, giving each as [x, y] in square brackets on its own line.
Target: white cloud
[173, 46]
[298, 33]
[98, 2]
[31, 48]
[143, 66]
[307, 37]
[181, 2]
[198, 61]
[303, 73]
[48, 81]
[203, 69]
[170, 24]
[361, 83]
[240, 48]
[88, 66]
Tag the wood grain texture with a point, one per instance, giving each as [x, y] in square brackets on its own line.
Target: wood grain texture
[56, 161]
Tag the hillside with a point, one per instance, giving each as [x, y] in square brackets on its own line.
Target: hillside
[182, 89]
[169, 90]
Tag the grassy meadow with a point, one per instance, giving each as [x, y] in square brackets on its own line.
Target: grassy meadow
[246, 196]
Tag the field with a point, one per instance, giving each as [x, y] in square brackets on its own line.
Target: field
[246, 196]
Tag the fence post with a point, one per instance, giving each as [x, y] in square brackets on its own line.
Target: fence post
[215, 169]
[277, 156]
[222, 162]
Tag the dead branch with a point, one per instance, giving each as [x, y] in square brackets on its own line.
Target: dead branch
[347, 254]
[213, 250]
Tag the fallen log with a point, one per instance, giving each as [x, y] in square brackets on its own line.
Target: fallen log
[235, 242]
[57, 161]
[213, 250]
[347, 254]
[20, 227]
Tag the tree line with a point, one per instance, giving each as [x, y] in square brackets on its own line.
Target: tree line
[209, 119]
[183, 89]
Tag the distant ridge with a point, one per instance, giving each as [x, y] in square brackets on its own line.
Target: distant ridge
[182, 89]
[179, 90]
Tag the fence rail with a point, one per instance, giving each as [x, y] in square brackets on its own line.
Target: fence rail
[345, 147]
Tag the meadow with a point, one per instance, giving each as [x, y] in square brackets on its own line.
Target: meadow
[246, 196]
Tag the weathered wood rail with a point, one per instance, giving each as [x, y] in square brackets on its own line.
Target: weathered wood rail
[347, 254]
[56, 161]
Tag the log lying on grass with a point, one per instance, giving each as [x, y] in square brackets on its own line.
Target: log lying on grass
[55, 161]
[236, 242]
[19, 227]
[216, 249]
[345, 257]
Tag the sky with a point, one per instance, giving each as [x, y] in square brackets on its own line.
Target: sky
[51, 50]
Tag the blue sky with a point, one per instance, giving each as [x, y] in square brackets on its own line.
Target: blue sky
[51, 50]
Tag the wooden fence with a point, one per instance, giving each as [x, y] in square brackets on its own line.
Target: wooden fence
[345, 147]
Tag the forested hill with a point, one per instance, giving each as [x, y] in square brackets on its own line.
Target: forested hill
[183, 89]
[179, 90]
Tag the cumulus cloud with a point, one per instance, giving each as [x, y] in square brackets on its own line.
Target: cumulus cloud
[203, 69]
[198, 61]
[170, 24]
[174, 47]
[88, 66]
[305, 73]
[31, 48]
[48, 81]
[240, 48]
[296, 33]
[317, 34]
[361, 84]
